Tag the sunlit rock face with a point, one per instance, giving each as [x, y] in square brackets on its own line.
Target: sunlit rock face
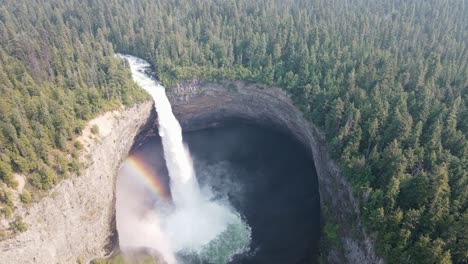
[200, 105]
[76, 220]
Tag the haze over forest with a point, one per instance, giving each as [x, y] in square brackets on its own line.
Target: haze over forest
[386, 81]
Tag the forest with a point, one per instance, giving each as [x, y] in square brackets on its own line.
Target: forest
[53, 77]
[387, 81]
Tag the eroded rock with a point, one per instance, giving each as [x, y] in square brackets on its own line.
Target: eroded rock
[199, 105]
[75, 221]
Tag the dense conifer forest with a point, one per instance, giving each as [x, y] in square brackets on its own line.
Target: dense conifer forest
[387, 81]
[53, 77]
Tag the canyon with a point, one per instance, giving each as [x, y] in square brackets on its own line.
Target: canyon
[76, 220]
[198, 105]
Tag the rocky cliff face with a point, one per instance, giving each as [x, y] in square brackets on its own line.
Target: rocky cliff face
[202, 105]
[75, 221]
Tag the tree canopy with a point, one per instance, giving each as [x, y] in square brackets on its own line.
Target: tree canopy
[386, 80]
[53, 77]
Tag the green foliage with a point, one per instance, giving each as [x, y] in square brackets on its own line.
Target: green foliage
[26, 197]
[95, 129]
[78, 145]
[428, 251]
[386, 82]
[7, 211]
[52, 82]
[100, 261]
[5, 197]
[391, 100]
[330, 234]
[6, 174]
[120, 259]
[18, 226]
[330, 231]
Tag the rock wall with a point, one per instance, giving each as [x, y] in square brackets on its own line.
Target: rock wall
[75, 221]
[200, 105]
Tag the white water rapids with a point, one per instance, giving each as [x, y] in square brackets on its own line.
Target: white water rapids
[194, 225]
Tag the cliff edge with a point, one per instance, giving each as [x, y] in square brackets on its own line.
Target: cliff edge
[199, 105]
[75, 221]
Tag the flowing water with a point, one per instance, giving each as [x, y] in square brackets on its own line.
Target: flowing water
[267, 176]
[186, 222]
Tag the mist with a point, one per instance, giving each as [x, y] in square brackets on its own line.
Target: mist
[192, 223]
[139, 226]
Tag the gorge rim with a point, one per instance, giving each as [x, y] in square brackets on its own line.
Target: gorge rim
[260, 172]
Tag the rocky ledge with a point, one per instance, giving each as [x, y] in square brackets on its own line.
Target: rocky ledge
[75, 221]
[199, 105]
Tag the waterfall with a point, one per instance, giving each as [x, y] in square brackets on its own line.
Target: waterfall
[196, 226]
[184, 187]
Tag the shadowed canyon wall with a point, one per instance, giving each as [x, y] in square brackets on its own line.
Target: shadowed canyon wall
[199, 105]
[76, 219]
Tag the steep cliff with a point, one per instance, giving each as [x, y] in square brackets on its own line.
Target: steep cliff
[75, 221]
[200, 105]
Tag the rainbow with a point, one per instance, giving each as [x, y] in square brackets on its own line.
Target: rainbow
[147, 176]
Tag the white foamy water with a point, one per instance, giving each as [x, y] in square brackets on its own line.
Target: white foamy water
[196, 225]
